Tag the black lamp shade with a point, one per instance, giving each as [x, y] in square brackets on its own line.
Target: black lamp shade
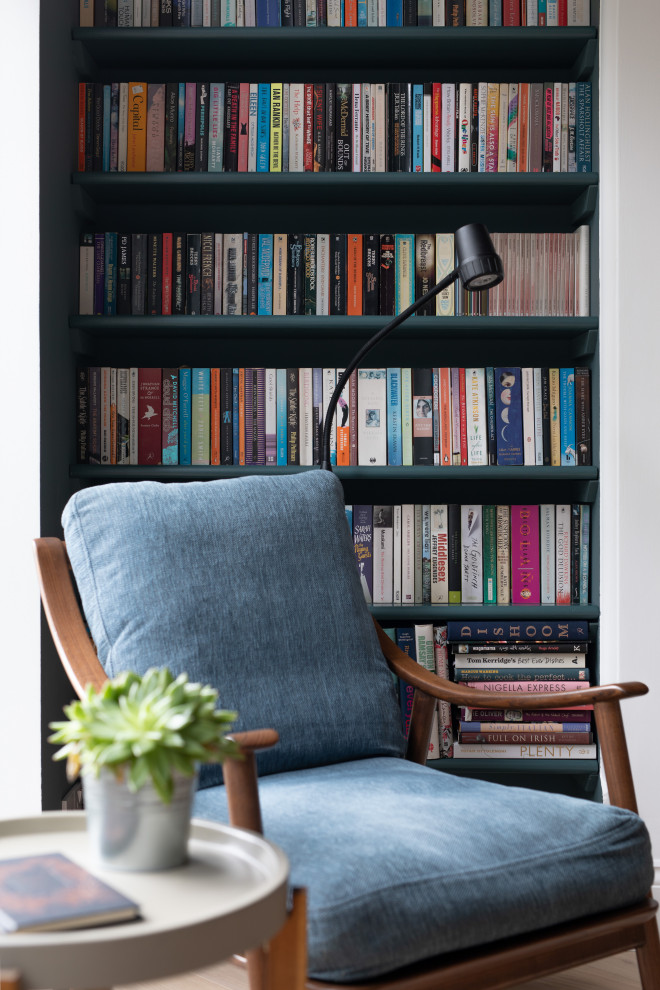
[479, 266]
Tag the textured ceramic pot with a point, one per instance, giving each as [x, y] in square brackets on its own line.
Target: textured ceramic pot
[137, 831]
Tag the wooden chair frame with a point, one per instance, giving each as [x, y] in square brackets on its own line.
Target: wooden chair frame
[281, 965]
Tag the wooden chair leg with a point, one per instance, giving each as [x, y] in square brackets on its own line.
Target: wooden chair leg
[648, 957]
[10, 979]
[282, 964]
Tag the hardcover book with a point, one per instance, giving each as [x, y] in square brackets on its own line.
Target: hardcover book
[149, 416]
[525, 557]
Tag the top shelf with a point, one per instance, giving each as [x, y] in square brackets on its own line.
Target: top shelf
[571, 52]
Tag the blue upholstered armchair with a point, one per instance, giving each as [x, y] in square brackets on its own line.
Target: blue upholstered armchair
[413, 877]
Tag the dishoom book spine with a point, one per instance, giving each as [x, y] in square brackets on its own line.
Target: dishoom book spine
[523, 631]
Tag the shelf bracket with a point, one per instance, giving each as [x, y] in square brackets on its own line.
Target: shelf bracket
[583, 65]
[584, 207]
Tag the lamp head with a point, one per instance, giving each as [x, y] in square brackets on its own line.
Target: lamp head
[479, 265]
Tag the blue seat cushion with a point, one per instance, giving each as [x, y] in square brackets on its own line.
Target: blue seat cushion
[249, 585]
[403, 862]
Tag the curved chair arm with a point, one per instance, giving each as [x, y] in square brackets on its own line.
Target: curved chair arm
[240, 774]
[70, 635]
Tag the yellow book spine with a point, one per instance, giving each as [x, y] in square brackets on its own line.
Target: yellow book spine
[555, 444]
[276, 127]
[136, 160]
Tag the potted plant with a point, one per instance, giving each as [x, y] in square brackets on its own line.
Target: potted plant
[138, 742]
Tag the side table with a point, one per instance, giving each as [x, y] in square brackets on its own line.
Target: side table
[229, 897]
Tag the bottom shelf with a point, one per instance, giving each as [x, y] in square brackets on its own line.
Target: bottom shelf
[576, 778]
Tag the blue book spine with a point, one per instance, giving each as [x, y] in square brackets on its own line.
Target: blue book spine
[280, 392]
[394, 13]
[362, 14]
[417, 128]
[216, 159]
[585, 537]
[583, 112]
[349, 518]
[394, 444]
[235, 430]
[543, 13]
[495, 13]
[567, 416]
[508, 416]
[180, 126]
[185, 416]
[110, 274]
[529, 630]
[268, 13]
[107, 90]
[263, 128]
[491, 416]
[363, 534]
[265, 282]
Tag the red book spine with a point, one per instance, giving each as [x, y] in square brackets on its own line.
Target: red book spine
[215, 415]
[308, 147]
[436, 128]
[354, 272]
[463, 412]
[563, 13]
[81, 126]
[511, 13]
[167, 275]
[243, 111]
[525, 559]
[350, 13]
[567, 738]
[352, 418]
[150, 415]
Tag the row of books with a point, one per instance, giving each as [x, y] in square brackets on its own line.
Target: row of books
[176, 273]
[450, 554]
[334, 127]
[385, 416]
[334, 13]
[551, 666]
[514, 667]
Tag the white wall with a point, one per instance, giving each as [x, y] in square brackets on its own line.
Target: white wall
[20, 767]
[630, 342]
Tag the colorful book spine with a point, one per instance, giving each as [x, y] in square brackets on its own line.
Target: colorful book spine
[363, 547]
[525, 556]
[394, 446]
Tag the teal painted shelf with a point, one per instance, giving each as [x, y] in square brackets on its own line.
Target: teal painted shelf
[577, 767]
[441, 613]
[568, 52]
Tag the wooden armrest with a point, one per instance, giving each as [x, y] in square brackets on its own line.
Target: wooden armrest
[241, 778]
[255, 739]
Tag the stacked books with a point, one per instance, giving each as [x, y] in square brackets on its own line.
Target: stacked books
[536, 657]
[334, 127]
[220, 274]
[453, 554]
[426, 417]
[333, 13]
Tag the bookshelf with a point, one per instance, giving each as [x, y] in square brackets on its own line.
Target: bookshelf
[289, 202]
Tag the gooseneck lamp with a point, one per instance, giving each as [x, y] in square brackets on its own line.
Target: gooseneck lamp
[478, 267]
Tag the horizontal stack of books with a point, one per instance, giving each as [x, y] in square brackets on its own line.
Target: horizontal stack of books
[219, 274]
[473, 417]
[334, 13]
[334, 127]
[535, 657]
[476, 554]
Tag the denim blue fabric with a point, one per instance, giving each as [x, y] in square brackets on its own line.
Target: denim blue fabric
[403, 862]
[249, 585]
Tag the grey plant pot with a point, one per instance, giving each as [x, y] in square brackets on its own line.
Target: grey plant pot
[137, 832]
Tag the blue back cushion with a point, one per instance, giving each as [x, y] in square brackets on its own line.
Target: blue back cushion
[249, 585]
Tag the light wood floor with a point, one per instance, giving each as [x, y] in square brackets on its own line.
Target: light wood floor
[615, 973]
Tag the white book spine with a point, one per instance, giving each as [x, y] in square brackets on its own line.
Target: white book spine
[428, 113]
[123, 416]
[329, 382]
[122, 128]
[396, 555]
[357, 127]
[372, 416]
[448, 143]
[271, 415]
[367, 148]
[250, 13]
[529, 431]
[583, 270]
[132, 419]
[472, 577]
[438, 13]
[524, 751]
[407, 554]
[556, 128]
[217, 275]
[306, 416]
[334, 13]
[322, 274]
[503, 136]
[439, 555]
[444, 263]
[372, 93]
[296, 127]
[379, 112]
[475, 395]
[137, 13]
[424, 646]
[406, 417]
[512, 129]
[578, 13]
[553, 13]
[240, 13]
[464, 126]
[124, 13]
[253, 120]
[280, 260]
[483, 105]
[564, 128]
[563, 555]
[382, 13]
[383, 554]
[532, 13]
[146, 13]
[538, 415]
[372, 13]
[547, 553]
[206, 14]
[86, 283]
[434, 739]
[232, 275]
[426, 554]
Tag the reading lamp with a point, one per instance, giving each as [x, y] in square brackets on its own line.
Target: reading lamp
[478, 266]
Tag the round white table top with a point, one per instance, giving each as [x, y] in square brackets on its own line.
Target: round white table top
[229, 897]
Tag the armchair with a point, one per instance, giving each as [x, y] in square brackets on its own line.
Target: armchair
[405, 877]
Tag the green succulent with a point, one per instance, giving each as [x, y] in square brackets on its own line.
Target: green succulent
[145, 728]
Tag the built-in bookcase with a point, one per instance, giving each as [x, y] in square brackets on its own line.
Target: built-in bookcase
[288, 202]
